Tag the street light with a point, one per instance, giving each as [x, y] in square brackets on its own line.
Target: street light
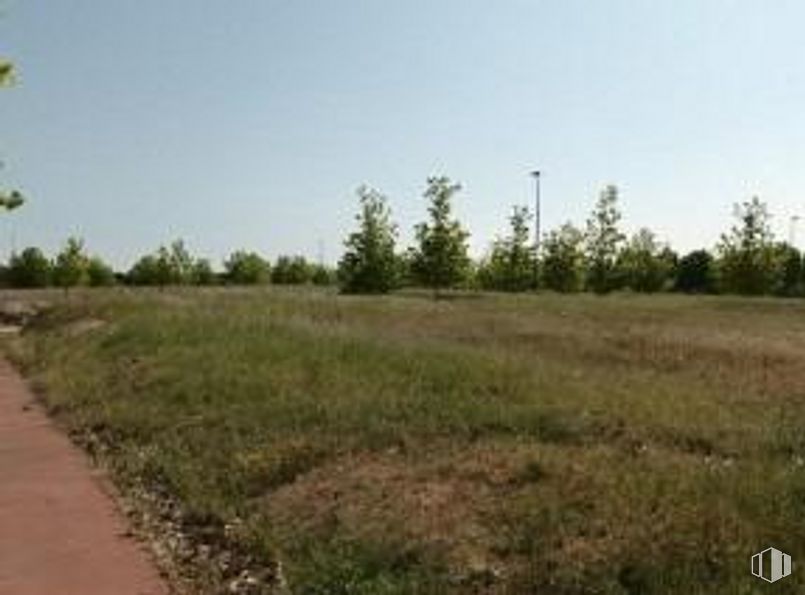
[536, 174]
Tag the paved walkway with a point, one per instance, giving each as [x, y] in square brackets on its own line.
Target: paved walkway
[59, 531]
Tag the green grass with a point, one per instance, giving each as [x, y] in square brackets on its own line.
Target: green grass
[483, 444]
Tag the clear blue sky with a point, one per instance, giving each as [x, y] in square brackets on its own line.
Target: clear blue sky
[249, 123]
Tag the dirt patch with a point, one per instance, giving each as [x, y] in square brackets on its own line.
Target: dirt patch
[443, 504]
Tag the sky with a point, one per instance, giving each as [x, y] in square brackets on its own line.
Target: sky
[250, 123]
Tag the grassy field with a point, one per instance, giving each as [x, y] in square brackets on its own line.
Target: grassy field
[481, 444]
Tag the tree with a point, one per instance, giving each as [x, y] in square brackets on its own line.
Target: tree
[180, 263]
[71, 265]
[99, 274]
[789, 280]
[144, 271]
[202, 272]
[291, 270]
[563, 259]
[30, 268]
[440, 260]
[603, 240]
[644, 263]
[696, 273]
[369, 264]
[246, 268]
[746, 257]
[323, 275]
[510, 266]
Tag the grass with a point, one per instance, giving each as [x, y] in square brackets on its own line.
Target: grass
[488, 444]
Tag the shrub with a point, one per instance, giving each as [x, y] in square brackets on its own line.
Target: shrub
[99, 273]
[246, 268]
[291, 270]
[563, 260]
[71, 266]
[30, 268]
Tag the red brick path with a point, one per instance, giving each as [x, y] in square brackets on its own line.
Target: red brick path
[60, 534]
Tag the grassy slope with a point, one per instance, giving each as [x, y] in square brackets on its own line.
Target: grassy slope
[492, 444]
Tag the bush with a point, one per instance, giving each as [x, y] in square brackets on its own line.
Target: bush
[324, 276]
[695, 273]
[30, 268]
[291, 270]
[203, 273]
[563, 260]
[167, 266]
[246, 268]
[644, 264]
[71, 265]
[99, 273]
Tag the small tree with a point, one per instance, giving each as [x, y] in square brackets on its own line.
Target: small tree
[369, 264]
[644, 264]
[144, 271]
[182, 263]
[563, 259]
[71, 266]
[789, 280]
[30, 268]
[440, 260]
[510, 266]
[203, 273]
[747, 260]
[696, 273]
[323, 275]
[603, 242]
[291, 270]
[99, 274]
[246, 268]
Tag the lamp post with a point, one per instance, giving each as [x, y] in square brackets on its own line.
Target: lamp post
[536, 174]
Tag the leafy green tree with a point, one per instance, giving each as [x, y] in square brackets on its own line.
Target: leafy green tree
[181, 263]
[440, 259]
[144, 271]
[291, 270]
[790, 270]
[203, 273]
[99, 274]
[246, 268]
[30, 268]
[324, 275]
[696, 273]
[71, 265]
[603, 242]
[369, 264]
[510, 266]
[169, 265]
[644, 264]
[563, 259]
[746, 257]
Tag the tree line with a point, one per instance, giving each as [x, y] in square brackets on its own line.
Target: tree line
[598, 257]
[167, 266]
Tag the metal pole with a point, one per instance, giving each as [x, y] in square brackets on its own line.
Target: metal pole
[537, 205]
